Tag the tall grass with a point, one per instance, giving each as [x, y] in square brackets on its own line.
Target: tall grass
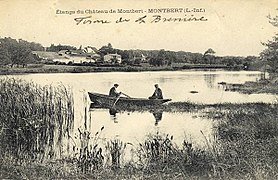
[116, 149]
[158, 154]
[90, 156]
[248, 141]
[34, 119]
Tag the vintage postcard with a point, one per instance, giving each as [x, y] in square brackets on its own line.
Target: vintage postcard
[126, 89]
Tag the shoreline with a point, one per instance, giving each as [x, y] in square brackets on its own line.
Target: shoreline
[268, 86]
[43, 68]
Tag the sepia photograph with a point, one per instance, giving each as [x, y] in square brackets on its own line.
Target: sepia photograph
[126, 89]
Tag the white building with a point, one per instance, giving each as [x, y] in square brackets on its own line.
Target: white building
[112, 58]
[87, 55]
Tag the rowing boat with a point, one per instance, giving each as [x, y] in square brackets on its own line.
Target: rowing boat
[106, 100]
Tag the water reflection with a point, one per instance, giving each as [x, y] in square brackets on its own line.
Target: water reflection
[157, 117]
[210, 80]
[114, 117]
[113, 114]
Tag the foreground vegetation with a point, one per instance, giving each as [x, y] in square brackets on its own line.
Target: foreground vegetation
[36, 119]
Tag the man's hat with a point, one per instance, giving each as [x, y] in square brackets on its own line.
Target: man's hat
[116, 84]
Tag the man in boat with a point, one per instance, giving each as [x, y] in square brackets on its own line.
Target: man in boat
[113, 92]
[157, 93]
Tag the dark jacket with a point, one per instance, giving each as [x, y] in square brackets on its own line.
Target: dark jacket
[157, 94]
[113, 92]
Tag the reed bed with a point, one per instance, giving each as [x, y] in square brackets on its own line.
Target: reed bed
[34, 119]
[158, 154]
[116, 149]
[89, 156]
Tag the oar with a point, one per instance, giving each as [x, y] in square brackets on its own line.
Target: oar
[125, 95]
[119, 98]
[116, 101]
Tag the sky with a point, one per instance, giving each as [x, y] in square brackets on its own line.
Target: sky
[233, 27]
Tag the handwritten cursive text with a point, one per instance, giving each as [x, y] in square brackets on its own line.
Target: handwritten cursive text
[141, 19]
[88, 20]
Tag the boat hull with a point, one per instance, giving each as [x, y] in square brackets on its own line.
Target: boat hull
[107, 101]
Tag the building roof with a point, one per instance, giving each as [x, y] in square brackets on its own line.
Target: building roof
[112, 55]
[78, 51]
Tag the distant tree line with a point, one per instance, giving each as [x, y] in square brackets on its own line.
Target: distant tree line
[165, 57]
[17, 52]
[57, 48]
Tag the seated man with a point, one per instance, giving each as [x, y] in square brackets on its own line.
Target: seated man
[157, 93]
[113, 92]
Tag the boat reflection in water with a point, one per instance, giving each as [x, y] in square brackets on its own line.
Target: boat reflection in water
[157, 115]
[113, 113]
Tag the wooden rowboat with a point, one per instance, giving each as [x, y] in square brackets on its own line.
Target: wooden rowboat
[107, 101]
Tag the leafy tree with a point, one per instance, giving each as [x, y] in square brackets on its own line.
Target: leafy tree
[17, 52]
[170, 57]
[5, 58]
[159, 59]
[164, 58]
[209, 52]
[21, 54]
[189, 57]
[109, 46]
[209, 56]
[107, 49]
[270, 54]
[126, 54]
[33, 46]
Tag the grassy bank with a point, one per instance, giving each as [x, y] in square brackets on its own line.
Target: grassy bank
[42, 68]
[261, 86]
[77, 69]
[35, 119]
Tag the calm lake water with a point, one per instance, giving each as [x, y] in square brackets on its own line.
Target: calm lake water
[133, 127]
